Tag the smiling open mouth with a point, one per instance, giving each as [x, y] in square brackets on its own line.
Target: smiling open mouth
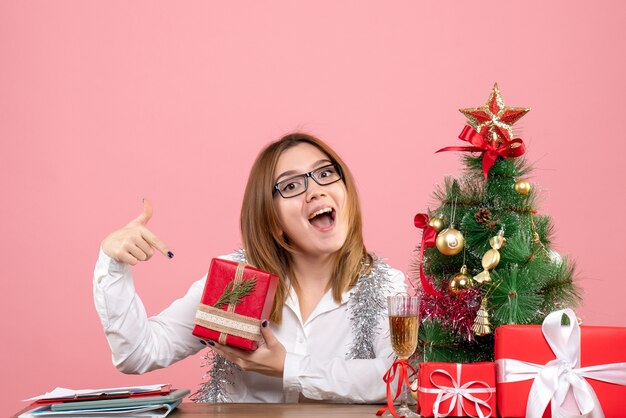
[323, 218]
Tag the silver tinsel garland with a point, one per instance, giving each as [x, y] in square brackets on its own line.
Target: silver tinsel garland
[216, 379]
[367, 305]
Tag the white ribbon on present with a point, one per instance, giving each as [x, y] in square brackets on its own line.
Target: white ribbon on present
[457, 392]
[553, 381]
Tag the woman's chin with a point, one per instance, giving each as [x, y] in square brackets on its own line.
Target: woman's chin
[322, 250]
[329, 248]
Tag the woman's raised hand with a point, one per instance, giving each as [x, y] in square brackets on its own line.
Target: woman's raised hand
[135, 242]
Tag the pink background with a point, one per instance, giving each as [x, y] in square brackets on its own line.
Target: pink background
[102, 103]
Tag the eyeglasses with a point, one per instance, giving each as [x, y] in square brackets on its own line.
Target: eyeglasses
[297, 185]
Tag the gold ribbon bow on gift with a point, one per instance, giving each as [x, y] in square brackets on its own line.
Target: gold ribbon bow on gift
[457, 392]
[228, 322]
[553, 380]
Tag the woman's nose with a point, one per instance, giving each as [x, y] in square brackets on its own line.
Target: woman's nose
[314, 191]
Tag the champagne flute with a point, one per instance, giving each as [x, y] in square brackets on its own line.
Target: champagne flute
[403, 326]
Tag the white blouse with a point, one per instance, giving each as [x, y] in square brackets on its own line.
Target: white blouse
[315, 366]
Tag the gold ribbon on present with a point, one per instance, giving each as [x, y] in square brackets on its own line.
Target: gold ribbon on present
[228, 322]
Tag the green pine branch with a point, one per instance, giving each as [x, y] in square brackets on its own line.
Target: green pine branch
[561, 289]
[437, 344]
[515, 167]
[234, 294]
[514, 297]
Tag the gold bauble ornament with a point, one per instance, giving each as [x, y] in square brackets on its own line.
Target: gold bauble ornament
[450, 241]
[460, 281]
[522, 187]
[436, 223]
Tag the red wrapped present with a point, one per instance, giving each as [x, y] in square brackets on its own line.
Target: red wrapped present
[574, 369]
[236, 297]
[457, 390]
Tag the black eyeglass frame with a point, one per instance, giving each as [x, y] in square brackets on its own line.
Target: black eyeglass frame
[306, 176]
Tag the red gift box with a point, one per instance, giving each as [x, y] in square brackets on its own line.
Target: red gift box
[236, 297]
[457, 390]
[552, 350]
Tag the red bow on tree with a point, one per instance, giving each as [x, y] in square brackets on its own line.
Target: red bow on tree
[508, 149]
[429, 237]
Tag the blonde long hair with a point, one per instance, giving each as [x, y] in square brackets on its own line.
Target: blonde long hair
[266, 248]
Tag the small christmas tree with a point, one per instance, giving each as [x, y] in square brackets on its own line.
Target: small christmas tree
[485, 258]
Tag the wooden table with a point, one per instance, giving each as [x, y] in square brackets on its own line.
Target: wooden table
[268, 410]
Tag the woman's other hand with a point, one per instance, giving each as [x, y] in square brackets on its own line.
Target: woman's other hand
[135, 242]
[268, 359]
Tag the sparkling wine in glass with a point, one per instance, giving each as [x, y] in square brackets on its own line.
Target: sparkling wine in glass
[403, 335]
[403, 327]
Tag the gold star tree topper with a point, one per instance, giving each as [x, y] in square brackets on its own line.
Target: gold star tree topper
[494, 120]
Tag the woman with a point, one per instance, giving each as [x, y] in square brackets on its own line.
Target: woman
[327, 337]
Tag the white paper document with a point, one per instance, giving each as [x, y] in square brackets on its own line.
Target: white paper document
[63, 393]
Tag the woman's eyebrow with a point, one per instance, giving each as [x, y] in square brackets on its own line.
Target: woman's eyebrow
[289, 173]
